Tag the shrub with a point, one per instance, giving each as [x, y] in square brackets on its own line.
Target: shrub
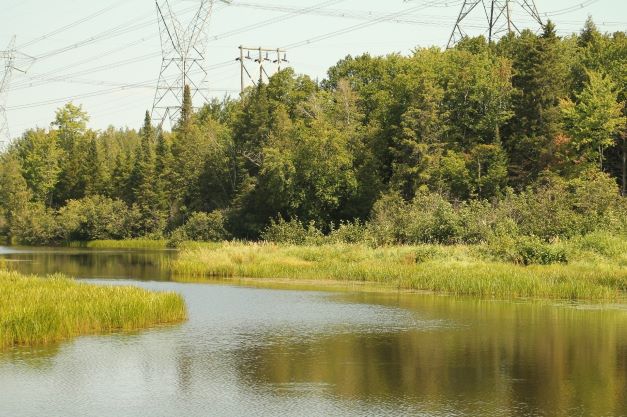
[559, 208]
[203, 227]
[603, 243]
[429, 218]
[534, 251]
[97, 218]
[433, 220]
[425, 253]
[482, 221]
[35, 225]
[390, 219]
[526, 250]
[292, 232]
[350, 232]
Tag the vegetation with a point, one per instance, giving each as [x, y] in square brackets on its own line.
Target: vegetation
[44, 310]
[123, 244]
[524, 137]
[596, 270]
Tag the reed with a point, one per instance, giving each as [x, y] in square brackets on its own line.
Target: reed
[459, 270]
[37, 310]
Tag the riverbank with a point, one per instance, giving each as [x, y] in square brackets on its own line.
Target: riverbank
[37, 310]
[592, 267]
[147, 244]
[457, 270]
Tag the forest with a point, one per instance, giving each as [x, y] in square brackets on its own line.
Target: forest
[523, 137]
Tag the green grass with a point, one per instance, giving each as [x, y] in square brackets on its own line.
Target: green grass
[123, 244]
[459, 270]
[44, 310]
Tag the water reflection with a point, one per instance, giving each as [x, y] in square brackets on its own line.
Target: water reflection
[253, 352]
[86, 263]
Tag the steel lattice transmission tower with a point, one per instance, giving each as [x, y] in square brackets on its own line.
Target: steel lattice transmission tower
[184, 60]
[499, 15]
[13, 61]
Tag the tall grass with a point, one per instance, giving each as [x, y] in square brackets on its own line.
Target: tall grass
[459, 270]
[44, 310]
[123, 244]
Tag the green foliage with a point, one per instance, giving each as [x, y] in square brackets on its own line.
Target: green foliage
[593, 119]
[203, 227]
[40, 159]
[292, 232]
[469, 144]
[350, 233]
[428, 218]
[97, 218]
[526, 250]
[35, 225]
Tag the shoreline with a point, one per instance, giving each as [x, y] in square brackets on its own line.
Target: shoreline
[590, 273]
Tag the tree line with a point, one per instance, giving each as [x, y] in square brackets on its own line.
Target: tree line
[481, 125]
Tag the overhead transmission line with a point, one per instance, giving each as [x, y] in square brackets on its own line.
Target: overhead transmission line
[291, 14]
[366, 24]
[571, 9]
[113, 51]
[120, 87]
[73, 24]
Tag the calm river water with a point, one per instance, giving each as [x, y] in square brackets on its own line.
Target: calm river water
[286, 352]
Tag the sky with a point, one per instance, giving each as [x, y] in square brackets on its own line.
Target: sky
[106, 55]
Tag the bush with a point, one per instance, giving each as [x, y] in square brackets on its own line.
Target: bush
[526, 250]
[429, 218]
[603, 243]
[482, 221]
[203, 227]
[390, 220]
[292, 232]
[350, 232]
[97, 218]
[35, 225]
[559, 208]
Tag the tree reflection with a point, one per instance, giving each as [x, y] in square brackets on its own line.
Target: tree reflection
[522, 358]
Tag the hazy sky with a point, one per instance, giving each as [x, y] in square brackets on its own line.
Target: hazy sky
[113, 76]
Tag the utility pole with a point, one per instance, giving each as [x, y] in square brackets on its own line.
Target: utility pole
[273, 57]
[184, 60]
[13, 61]
[499, 16]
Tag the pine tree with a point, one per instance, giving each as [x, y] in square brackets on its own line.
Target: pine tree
[541, 78]
[145, 180]
[91, 170]
[187, 111]
[164, 163]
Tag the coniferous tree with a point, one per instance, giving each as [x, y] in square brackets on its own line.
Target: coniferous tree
[145, 180]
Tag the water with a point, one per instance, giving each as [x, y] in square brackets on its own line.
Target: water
[270, 352]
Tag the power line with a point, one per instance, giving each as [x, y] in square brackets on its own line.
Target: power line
[359, 26]
[120, 87]
[73, 24]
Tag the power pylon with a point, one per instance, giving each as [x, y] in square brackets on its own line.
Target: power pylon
[499, 15]
[263, 58]
[13, 61]
[184, 60]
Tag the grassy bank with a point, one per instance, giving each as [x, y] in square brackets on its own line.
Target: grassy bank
[43, 310]
[459, 270]
[123, 244]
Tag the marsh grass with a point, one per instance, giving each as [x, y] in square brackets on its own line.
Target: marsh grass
[459, 270]
[123, 244]
[37, 310]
